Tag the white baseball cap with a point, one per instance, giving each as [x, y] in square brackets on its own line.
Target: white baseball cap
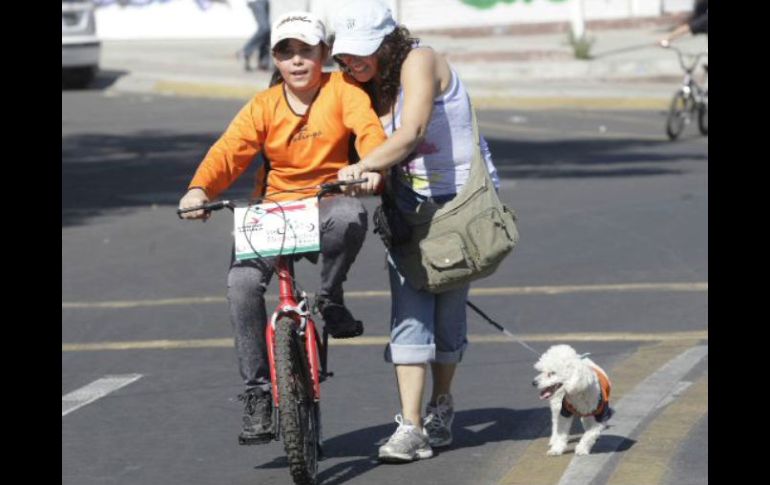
[360, 26]
[298, 25]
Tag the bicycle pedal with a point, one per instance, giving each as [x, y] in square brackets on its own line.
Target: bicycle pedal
[255, 440]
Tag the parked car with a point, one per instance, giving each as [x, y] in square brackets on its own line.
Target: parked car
[80, 47]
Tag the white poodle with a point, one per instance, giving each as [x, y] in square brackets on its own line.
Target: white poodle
[576, 386]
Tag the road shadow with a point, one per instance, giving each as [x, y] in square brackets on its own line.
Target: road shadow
[585, 158]
[108, 172]
[609, 443]
[103, 172]
[103, 80]
[472, 428]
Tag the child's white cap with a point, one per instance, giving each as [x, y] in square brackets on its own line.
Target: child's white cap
[298, 25]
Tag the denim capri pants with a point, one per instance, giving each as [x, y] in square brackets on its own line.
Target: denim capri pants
[425, 327]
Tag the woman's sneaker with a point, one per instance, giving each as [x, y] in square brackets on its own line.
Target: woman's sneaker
[407, 444]
[438, 421]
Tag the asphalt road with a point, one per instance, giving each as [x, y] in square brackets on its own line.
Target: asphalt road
[612, 259]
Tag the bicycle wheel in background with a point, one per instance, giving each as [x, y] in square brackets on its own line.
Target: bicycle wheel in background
[676, 116]
[298, 412]
[703, 115]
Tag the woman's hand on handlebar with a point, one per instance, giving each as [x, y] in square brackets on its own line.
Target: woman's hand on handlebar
[351, 172]
[356, 171]
[193, 198]
[373, 181]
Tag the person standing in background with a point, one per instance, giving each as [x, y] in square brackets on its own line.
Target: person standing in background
[260, 41]
[698, 23]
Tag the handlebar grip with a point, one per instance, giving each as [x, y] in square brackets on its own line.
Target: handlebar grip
[213, 206]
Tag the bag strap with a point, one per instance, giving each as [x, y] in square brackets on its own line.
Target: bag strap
[478, 162]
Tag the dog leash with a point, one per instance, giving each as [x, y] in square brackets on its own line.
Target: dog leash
[501, 328]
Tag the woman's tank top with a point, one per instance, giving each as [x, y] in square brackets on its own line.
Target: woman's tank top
[440, 165]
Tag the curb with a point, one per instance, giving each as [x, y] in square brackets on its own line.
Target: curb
[198, 89]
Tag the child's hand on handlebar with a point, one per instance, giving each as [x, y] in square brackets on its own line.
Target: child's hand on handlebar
[193, 198]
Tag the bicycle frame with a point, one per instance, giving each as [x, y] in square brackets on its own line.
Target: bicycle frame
[292, 304]
[690, 99]
[690, 86]
[289, 305]
[302, 437]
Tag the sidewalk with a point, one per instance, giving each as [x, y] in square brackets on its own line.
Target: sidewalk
[626, 71]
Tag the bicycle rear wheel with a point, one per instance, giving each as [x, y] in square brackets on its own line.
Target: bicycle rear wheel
[298, 411]
[703, 115]
[677, 113]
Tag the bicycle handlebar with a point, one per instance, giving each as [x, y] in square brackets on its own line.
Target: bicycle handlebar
[327, 188]
[681, 56]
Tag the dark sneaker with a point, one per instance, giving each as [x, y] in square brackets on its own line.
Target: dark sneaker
[257, 417]
[338, 319]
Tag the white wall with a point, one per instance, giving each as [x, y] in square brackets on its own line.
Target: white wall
[184, 19]
[180, 19]
[436, 14]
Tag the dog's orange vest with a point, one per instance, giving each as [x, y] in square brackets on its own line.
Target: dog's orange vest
[603, 412]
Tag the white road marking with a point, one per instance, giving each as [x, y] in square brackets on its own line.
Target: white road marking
[95, 390]
[630, 411]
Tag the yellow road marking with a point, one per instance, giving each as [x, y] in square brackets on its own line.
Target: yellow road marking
[499, 291]
[204, 90]
[534, 467]
[648, 460]
[243, 91]
[382, 340]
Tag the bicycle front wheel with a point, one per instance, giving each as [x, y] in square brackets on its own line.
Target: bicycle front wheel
[677, 113]
[703, 115]
[298, 411]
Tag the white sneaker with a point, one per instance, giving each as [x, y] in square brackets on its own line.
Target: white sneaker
[438, 421]
[406, 444]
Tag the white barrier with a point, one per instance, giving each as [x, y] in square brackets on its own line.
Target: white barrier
[212, 19]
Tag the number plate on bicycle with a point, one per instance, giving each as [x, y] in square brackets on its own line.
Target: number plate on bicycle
[277, 228]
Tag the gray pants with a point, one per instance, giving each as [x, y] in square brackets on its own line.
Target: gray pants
[343, 229]
[260, 41]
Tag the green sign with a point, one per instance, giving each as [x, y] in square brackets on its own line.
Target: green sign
[484, 4]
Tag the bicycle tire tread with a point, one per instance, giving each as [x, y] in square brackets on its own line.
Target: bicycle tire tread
[289, 392]
[674, 121]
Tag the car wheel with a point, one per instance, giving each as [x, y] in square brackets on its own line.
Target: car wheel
[78, 77]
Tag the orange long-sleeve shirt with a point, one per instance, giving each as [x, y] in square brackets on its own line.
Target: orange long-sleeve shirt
[303, 150]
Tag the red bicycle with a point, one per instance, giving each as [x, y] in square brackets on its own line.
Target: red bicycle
[297, 357]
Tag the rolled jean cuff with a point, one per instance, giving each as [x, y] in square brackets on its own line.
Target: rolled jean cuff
[410, 354]
[453, 357]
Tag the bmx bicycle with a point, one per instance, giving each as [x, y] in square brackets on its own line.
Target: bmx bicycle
[296, 353]
[690, 99]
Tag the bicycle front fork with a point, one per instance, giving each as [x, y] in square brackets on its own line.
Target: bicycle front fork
[324, 354]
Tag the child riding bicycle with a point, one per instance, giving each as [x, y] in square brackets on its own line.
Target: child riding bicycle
[302, 125]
